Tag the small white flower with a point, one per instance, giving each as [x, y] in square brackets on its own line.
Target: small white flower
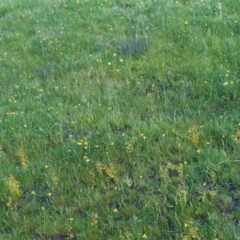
[225, 83]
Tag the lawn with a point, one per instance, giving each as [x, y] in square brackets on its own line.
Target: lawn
[119, 119]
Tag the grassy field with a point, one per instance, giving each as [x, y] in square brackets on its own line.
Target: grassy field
[119, 120]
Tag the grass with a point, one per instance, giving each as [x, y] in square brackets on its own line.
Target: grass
[119, 120]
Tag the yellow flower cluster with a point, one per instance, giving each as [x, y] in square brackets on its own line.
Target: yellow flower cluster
[194, 134]
[143, 136]
[83, 142]
[13, 187]
[22, 158]
[212, 193]
[14, 190]
[192, 231]
[130, 145]
[110, 171]
[94, 219]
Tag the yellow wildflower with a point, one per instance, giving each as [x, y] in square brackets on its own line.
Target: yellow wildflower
[13, 186]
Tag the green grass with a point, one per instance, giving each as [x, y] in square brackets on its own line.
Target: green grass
[119, 120]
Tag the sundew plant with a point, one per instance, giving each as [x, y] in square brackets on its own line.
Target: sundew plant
[119, 119]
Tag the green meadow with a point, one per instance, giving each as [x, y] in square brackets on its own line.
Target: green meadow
[119, 119]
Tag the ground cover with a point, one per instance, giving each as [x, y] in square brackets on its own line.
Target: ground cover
[119, 120]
